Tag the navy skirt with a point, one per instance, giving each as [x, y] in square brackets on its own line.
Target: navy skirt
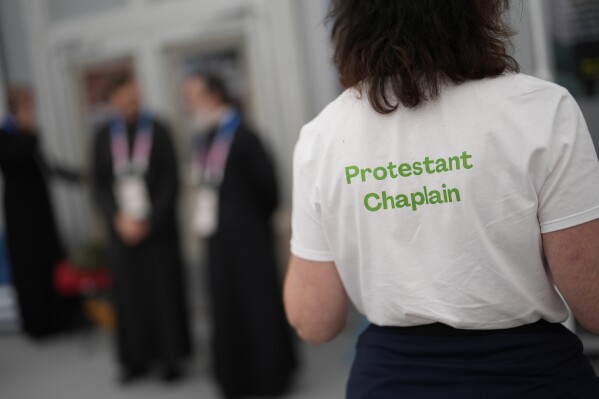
[540, 360]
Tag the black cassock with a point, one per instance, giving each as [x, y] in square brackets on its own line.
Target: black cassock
[252, 344]
[149, 289]
[34, 246]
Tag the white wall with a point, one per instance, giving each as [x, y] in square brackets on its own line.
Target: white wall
[64, 9]
[319, 74]
[15, 42]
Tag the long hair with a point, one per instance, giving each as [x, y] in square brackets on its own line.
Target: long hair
[402, 51]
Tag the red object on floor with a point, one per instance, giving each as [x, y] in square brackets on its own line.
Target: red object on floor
[69, 280]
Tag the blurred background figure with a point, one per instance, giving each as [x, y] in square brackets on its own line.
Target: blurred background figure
[252, 346]
[34, 245]
[135, 185]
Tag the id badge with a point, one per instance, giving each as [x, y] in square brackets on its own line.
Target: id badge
[205, 217]
[132, 197]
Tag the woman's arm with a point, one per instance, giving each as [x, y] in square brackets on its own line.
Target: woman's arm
[315, 300]
[573, 257]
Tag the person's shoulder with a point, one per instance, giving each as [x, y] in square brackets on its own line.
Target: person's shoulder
[514, 85]
[161, 131]
[248, 137]
[247, 131]
[161, 126]
[347, 99]
[102, 131]
[159, 122]
[347, 103]
[323, 127]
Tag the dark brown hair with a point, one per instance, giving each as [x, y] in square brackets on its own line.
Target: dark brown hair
[16, 96]
[117, 82]
[215, 84]
[401, 51]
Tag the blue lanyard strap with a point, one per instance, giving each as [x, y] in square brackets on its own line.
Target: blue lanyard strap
[213, 160]
[142, 145]
[229, 125]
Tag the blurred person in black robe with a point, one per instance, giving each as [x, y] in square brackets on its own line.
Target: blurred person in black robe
[252, 346]
[33, 242]
[136, 185]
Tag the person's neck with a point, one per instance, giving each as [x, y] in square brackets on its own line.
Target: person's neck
[219, 113]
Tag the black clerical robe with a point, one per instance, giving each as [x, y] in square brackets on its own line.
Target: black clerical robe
[149, 289]
[252, 344]
[33, 242]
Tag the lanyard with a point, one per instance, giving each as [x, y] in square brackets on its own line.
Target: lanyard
[212, 161]
[142, 146]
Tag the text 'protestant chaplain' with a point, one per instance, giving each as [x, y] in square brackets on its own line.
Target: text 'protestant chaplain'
[375, 202]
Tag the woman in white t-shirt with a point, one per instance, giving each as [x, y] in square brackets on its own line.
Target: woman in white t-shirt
[446, 195]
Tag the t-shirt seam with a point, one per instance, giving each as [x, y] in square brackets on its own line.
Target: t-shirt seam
[300, 251]
[572, 216]
[550, 147]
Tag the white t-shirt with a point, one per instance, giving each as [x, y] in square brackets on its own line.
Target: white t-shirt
[436, 214]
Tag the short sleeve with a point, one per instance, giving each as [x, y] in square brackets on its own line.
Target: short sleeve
[308, 238]
[570, 193]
